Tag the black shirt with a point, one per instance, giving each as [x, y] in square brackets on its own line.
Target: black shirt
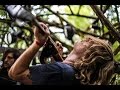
[56, 73]
[4, 78]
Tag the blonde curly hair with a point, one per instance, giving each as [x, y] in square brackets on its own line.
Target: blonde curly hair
[96, 66]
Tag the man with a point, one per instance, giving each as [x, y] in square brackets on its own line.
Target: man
[90, 62]
[9, 57]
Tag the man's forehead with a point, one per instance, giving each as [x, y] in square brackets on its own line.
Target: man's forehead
[10, 54]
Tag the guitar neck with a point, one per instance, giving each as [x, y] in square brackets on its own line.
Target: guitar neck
[57, 56]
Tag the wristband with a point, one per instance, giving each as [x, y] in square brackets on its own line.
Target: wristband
[38, 43]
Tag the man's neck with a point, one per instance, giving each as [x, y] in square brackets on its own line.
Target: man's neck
[68, 62]
[71, 58]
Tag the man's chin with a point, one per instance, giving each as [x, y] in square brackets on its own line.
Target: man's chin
[6, 66]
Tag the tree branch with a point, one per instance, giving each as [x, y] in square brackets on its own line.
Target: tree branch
[106, 22]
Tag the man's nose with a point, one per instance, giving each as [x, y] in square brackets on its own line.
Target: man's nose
[6, 60]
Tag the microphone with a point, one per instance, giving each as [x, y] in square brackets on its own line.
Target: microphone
[17, 11]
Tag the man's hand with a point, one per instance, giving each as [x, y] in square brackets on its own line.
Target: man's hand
[59, 47]
[38, 36]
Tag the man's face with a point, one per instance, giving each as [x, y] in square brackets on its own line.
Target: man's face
[9, 60]
[79, 48]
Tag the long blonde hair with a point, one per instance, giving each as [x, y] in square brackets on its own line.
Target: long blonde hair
[96, 66]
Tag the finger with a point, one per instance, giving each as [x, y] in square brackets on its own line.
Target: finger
[59, 45]
[45, 27]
